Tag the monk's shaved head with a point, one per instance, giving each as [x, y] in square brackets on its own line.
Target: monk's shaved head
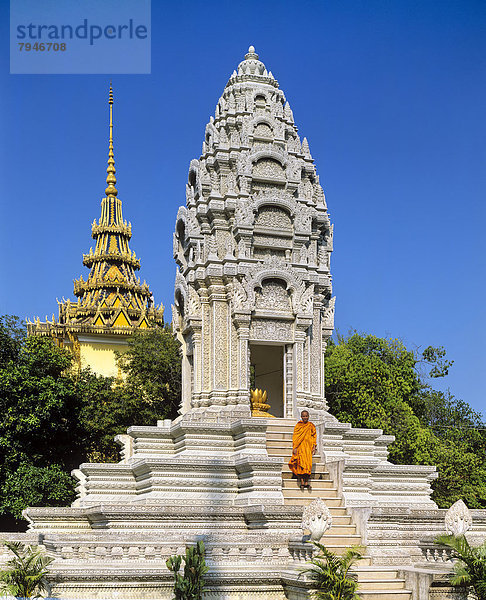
[304, 412]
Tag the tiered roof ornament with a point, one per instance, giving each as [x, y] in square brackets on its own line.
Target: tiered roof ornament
[112, 300]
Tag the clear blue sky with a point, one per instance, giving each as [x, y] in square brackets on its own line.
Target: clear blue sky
[391, 96]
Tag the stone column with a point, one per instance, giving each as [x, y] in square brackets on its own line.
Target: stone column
[219, 343]
[197, 365]
[186, 380]
[325, 338]
[289, 381]
[300, 398]
[205, 350]
[242, 322]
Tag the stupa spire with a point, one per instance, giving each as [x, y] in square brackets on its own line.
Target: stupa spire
[251, 53]
[251, 69]
[111, 190]
[111, 299]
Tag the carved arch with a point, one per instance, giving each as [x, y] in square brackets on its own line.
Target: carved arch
[274, 295]
[268, 154]
[270, 166]
[262, 119]
[294, 283]
[263, 130]
[193, 173]
[285, 203]
[181, 294]
[273, 216]
[259, 92]
[189, 220]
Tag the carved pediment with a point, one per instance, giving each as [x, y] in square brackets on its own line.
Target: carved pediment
[273, 217]
[273, 296]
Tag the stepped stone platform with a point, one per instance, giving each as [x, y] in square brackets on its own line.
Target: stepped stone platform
[226, 482]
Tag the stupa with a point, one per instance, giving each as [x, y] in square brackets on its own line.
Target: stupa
[253, 309]
[253, 245]
[112, 303]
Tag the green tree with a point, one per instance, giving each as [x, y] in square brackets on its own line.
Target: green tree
[331, 576]
[26, 573]
[30, 485]
[151, 390]
[52, 419]
[38, 400]
[39, 430]
[152, 365]
[470, 570]
[12, 335]
[379, 383]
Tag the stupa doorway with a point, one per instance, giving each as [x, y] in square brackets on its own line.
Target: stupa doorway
[267, 369]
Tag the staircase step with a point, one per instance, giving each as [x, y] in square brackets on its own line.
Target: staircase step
[279, 435]
[310, 493]
[318, 469]
[330, 502]
[345, 541]
[375, 573]
[381, 584]
[385, 594]
[320, 475]
[316, 484]
[277, 440]
[281, 425]
[286, 453]
[340, 520]
[341, 530]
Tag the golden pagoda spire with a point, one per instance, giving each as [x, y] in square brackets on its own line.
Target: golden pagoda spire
[111, 300]
[111, 190]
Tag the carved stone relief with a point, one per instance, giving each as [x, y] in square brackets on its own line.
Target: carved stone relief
[273, 216]
[273, 295]
[263, 130]
[268, 168]
[271, 330]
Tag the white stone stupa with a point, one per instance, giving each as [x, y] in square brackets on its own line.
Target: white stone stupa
[253, 310]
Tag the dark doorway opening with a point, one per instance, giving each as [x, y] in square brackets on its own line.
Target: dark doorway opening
[267, 364]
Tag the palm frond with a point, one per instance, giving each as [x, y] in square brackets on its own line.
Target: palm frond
[330, 575]
[25, 573]
[470, 570]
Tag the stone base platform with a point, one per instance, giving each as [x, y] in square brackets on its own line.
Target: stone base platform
[225, 481]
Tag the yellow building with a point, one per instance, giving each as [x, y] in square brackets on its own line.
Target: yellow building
[112, 303]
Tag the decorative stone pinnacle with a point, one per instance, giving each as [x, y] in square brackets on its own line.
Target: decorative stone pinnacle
[316, 519]
[111, 190]
[251, 53]
[458, 519]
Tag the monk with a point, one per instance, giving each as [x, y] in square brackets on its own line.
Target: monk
[304, 447]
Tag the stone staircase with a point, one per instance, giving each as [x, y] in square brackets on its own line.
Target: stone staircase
[376, 583]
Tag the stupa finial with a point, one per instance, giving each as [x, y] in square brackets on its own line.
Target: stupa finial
[111, 190]
[251, 53]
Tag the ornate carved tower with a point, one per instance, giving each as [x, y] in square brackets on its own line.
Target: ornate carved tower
[253, 305]
[112, 303]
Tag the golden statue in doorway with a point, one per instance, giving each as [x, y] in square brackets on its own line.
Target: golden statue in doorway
[258, 403]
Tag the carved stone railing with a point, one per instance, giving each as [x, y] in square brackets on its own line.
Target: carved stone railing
[301, 551]
[437, 554]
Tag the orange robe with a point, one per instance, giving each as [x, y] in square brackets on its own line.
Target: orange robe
[304, 439]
